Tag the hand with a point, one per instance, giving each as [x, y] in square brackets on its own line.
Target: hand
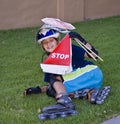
[32, 90]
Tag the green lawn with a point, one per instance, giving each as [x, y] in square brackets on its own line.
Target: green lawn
[19, 69]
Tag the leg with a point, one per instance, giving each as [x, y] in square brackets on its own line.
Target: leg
[62, 108]
[59, 88]
[94, 96]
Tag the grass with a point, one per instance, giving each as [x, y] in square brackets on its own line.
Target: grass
[19, 69]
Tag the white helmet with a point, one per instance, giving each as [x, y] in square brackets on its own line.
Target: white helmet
[46, 33]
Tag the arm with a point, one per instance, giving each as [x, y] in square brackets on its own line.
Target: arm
[91, 48]
[91, 52]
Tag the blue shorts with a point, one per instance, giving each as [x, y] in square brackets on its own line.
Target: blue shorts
[89, 76]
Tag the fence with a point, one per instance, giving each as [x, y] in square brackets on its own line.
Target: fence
[28, 13]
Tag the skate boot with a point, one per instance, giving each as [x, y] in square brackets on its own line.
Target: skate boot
[63, 108]
[97, 96]
[81, 94]
[102, 95]
[94, 96]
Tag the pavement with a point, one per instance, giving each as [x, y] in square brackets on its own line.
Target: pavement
[115, 120]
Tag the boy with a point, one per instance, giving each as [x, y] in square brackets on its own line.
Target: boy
[84, 81]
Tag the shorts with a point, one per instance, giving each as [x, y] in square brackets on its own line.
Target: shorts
[89, 76]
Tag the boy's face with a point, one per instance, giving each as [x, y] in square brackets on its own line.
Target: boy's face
[49, 44]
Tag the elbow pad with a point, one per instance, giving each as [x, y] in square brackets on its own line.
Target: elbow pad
[94, 50]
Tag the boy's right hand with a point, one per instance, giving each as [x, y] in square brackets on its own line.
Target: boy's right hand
[32, 90]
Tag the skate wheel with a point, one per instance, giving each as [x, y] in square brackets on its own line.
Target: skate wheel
[52, 116]
[74, 113]
[92, 100]
[41, 116]
[100, 101]
[63, 114]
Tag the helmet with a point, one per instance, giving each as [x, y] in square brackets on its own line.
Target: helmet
[46, 33]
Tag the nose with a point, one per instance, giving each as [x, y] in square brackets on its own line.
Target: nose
[48, 44]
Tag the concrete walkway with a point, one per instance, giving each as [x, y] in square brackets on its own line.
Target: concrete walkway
[115, 120]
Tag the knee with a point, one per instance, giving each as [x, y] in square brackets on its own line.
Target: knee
[50, 91]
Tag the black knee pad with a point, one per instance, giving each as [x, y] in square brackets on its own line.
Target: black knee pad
[50, 91]
[53, 78]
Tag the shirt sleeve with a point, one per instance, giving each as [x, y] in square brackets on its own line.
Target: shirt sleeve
[47, 77]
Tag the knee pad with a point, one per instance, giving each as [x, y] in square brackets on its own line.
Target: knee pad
[50, 91]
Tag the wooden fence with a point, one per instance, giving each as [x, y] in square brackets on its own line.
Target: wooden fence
[28, 13]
